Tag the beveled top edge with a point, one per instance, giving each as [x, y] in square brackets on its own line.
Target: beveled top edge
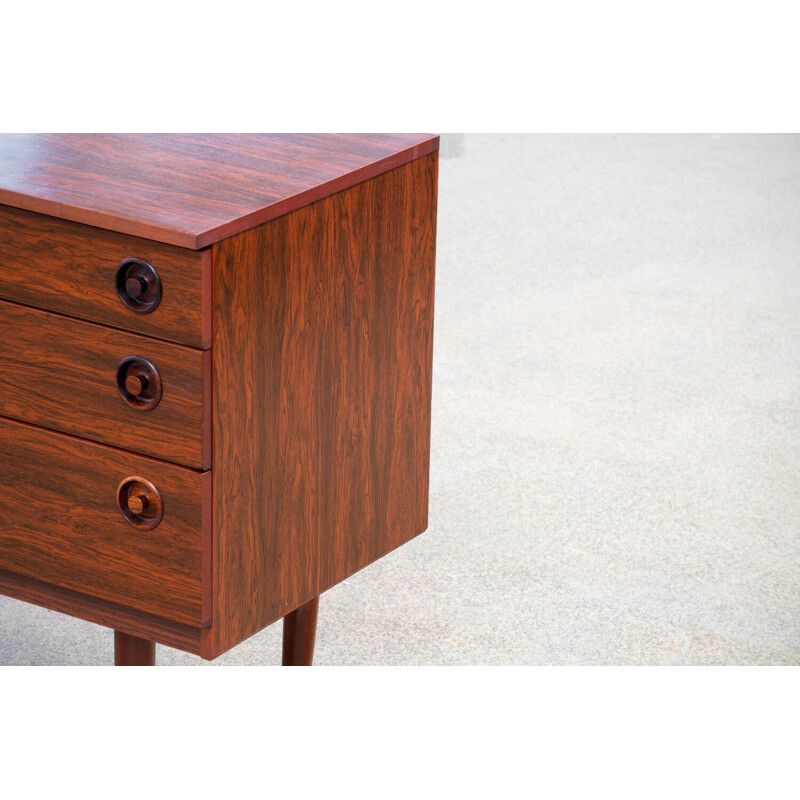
[190, 190]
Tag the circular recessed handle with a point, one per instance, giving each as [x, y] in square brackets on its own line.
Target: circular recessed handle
[139, 383]
[140, 502]
[138, 285]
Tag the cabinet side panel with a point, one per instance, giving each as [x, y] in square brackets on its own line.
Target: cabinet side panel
[323, 323]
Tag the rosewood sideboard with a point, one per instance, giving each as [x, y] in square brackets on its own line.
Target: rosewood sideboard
[215, 376]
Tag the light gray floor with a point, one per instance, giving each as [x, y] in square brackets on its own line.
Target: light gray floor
[616, 433]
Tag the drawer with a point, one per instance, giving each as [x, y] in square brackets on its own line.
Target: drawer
[61, 522]
[110, 386]
[71, 268]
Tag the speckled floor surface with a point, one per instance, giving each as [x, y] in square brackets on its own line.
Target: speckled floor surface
[616, 433]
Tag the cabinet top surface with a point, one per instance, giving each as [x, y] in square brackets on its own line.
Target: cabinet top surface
[190, 189]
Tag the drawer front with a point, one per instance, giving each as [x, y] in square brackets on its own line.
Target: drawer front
[61, 522]
[70, 268]
[129, 391]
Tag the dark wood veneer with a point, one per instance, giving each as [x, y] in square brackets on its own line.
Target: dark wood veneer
[101, 612]
[313, 384]
[191, 189]
[69, 268]
[75, 536]
[322, 386]
[61, 373]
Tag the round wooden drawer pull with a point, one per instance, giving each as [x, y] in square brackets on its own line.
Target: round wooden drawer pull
[135, 287]
[140, 502]
[135, 384]
[139, 383]
[138, 285]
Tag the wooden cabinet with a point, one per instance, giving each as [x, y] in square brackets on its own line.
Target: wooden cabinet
[216, 375]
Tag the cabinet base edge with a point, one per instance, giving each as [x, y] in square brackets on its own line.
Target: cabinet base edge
[101, 612]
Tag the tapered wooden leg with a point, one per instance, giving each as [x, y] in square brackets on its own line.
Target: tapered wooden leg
[299, 633]
[131, 651]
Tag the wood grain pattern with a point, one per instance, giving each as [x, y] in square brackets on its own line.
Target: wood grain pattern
[61, 373]
[60, 523]
[190, 190]
[69, 268]
[101, 612]
[322, 385]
